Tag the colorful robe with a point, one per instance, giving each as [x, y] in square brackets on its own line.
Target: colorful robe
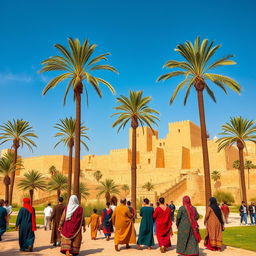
[107, 225]
[124, 227]
[146, 227]
[94, 222]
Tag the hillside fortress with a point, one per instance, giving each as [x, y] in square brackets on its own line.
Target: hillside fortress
[173, 164]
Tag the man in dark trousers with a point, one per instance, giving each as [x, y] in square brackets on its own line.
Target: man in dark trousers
[243, 213]
[55, 218]
[172, 208]
[252, 211]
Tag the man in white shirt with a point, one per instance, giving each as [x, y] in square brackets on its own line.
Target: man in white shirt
[8, 208]
[47, 217]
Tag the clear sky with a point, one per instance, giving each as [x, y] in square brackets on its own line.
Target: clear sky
[141, 36]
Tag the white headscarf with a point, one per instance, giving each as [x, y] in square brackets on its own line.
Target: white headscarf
[73, 204]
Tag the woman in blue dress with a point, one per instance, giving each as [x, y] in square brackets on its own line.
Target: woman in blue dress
[106, 221]
[3, 218]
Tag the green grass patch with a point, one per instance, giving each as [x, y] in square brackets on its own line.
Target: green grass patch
[240, 237]
[39, 219]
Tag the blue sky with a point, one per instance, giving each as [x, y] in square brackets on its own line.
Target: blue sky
[141, 36]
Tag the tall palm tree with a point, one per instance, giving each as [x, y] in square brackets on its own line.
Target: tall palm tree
[238, 131]
[148, 186]
[7, 167]
[196, 67]
[248, 165]
[107, 187]
[77, 65]
[20, 133]
[136, 110]
[236, 164]
[33, 180]
[66, 134]
[126, 189]
[215, 175]
[97, 175]
[84, 191]
[58, 183]
[53, 170]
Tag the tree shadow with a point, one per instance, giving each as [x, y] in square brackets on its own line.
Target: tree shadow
[90, 251]
[14, 252]
[45, 247]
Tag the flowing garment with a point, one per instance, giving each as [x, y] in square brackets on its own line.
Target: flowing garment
[124, 227]
[225, 210]
[163, 226]
[107, 224]
[3, 214]
[146, 227]
[55, 218]
[188, 229]
[94, 222]
[214, 226]
[26, 221]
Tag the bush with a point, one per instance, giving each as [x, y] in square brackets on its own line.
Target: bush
[222, 196]
[88, 208]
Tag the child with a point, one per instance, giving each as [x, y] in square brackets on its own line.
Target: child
[94, 221]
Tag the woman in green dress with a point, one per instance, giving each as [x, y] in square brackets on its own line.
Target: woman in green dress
[188, 229]
[26, 223]
[146, 226]
[3, 218]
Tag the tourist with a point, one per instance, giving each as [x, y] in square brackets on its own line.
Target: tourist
[225, 210]
[124, 227]
[106, 221]
[243, 213]
[214, 226]
[70, 227]
[55, 219]
[172, 208]
[94, 221]
[146, 226]
[47, 217]
[188, 229]
[26, 224]
[252, 211]
[113, 203]
[162, 216]
[8, 208]
[3, 219]
[129, 205]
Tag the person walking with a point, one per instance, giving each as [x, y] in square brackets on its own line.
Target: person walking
[94, 221]
[146, 226]
[172, 208]
[8, 208]
[3, 219]
[162, 216]
[47, 217]
[225, 211]
[252, 211]
[243, 213]
[129, 205]
[106, 221]
[188, 229]
[124, 227]
[26, 224]
[71, 223]
[55, 219]
[214, 226]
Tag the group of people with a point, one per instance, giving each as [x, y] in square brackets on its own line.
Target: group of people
[5, 213]
[68, 223]
[245, 211]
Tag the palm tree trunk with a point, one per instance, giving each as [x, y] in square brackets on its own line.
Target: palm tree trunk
[242, 176]
[207, 177]
[70, 161]
[7, 184]
[248, 178]
[58, 194]
[78, 92]
[134, 169]
[16, 146]
[31, 193]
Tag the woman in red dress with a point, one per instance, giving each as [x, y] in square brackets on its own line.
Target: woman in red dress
[162, 216]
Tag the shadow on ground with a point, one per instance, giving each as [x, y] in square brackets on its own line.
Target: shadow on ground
[90, 251]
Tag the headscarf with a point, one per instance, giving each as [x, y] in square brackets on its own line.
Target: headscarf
[192, 217]
[216, 209]
[28, 206]
[73, 204]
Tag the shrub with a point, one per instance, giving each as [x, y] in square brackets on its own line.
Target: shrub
[222, 196]
[88, 208]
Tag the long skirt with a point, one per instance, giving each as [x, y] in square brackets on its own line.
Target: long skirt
[107, 229]
[71, 245]
[164, 240]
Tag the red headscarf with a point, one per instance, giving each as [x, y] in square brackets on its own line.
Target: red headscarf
[192, 217]
[27, 205]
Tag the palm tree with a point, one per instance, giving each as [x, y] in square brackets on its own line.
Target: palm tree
[125, 188]
[248, 165]
[58, 183]
[84, 191]
[107, 187]
[136, 110]
[66, 134]
[97, 175]
[215, 175]
[7, 167]
[238, 131]
[33, 180]
[77, 66]
[148, 186]
[53, 170]
[195, 68]
[236, 164]
[20, 133]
